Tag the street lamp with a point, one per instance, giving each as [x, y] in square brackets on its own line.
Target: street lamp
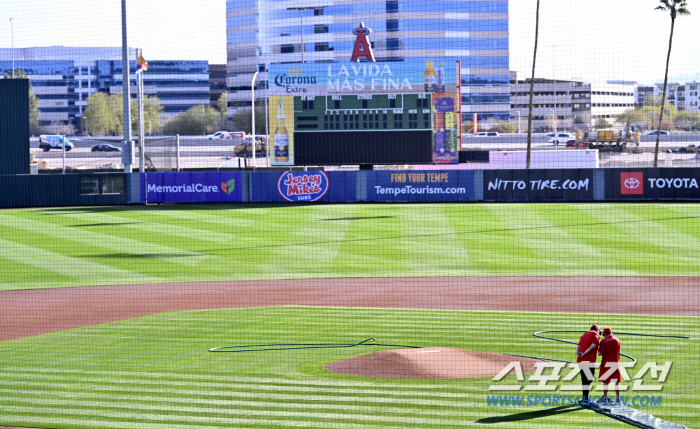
[518, 112]
[301, 17]
[86, 125]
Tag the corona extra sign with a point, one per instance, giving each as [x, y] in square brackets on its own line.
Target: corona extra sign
[363, 48]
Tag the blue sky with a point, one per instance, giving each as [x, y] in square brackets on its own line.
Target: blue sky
[597, 40]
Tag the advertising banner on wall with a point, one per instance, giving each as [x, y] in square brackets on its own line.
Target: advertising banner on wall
[365, 97]
[419, 186]
[281, 123]
[195, 187]
[653, 183]
[538, 185]
[303, 186]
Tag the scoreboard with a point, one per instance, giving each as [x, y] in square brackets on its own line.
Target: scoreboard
[353, 112]
[363, 113]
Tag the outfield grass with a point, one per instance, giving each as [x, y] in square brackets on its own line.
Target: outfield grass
[42, 248]
[155, 372]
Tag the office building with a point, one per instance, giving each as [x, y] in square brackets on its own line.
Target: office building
[262, 32]
[574, 104]
[63, 78]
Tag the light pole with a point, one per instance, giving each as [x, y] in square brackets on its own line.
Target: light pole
[128, 145]
[518, 112]
[554, 79]
[252, 112]
[86, 125]
[12, 30]
[301, 18]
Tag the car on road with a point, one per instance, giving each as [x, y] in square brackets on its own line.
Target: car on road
[105, 148]
[486, 134]
[561, 138]
[218, 135]
[238, 135]
[48, 142]
[572, 143]
[655, 132]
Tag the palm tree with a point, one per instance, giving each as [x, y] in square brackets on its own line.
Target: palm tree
[532, 88]
[675, 8]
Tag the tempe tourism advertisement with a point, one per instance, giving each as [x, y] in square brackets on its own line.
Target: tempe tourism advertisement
[416, 101]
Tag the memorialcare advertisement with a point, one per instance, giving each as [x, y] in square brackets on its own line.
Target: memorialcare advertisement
[434, 186]
[653, 183]
[204, 187]
[538, 185]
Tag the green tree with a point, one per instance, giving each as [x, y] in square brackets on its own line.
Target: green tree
[196, 120]
[222, 107]
[504, 127]
[629, 117]
[532, 88]
[34, 111]
[99, 114]
[674, 8]
[105, 113]
[152, 112]
[243, 120]
[468, 127]
[602, 124]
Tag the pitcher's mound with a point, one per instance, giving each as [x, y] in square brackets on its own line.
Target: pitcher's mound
[436, 362]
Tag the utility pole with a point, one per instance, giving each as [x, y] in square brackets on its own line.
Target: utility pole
[128, 145]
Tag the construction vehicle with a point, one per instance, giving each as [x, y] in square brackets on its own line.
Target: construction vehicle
[608, 140]
[245, 149]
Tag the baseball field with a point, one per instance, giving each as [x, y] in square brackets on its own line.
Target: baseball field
[107, 314]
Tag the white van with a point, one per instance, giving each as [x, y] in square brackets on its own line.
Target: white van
[486, 134]
[48, 142]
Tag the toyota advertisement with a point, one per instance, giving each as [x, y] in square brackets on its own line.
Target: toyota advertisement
[653, 183]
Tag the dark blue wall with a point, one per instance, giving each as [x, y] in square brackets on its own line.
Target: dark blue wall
[14, 126]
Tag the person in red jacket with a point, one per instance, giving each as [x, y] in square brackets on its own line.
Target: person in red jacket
[586, 357]
[609, 372]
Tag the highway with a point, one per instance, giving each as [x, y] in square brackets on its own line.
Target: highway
[200, 152]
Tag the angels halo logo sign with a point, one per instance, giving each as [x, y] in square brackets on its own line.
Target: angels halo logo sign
[303, 186]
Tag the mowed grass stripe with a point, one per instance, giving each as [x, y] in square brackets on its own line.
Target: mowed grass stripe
[166, 402]
[117, 244]
[183, 372]
[380, 240]
[65, 266]
[248, 390]
[148, 226]
[175, 416]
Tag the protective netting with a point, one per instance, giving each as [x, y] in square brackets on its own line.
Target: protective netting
[349, 214]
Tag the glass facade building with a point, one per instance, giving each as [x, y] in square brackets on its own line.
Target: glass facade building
[261, 32]
[63, 78]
